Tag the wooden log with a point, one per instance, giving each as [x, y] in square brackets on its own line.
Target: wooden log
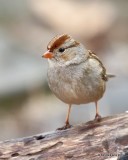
[104, 140]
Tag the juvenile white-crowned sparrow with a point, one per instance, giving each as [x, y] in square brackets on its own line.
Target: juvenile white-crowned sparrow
[75, 74]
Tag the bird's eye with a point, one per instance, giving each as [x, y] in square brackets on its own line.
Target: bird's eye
[61, 49]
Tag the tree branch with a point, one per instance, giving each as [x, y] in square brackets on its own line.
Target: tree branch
[90, 141]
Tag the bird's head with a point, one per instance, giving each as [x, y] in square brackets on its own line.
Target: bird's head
[63, 49]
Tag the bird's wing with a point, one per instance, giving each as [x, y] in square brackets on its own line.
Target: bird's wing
[104, 76]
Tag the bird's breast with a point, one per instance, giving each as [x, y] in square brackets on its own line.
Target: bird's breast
[74, 85]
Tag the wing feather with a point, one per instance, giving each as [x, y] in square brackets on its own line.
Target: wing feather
[103, 73]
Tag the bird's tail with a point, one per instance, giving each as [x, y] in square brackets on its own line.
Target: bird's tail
[110, 75]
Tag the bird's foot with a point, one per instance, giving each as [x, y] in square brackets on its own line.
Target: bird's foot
[66, 126]
[97, 118]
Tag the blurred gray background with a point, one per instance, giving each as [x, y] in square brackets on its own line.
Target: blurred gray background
[27, 106]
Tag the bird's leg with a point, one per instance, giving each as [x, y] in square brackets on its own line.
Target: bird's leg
[67, 125]
[97, 116]
[68, 115]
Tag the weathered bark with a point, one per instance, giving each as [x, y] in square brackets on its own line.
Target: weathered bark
[90, 141]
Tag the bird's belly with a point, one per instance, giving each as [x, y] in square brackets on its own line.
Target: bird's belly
[75, 90]
[83, 96]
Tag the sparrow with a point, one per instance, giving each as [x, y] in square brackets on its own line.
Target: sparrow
[75, 75]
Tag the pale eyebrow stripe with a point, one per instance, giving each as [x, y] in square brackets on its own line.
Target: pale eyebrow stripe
[73, 45]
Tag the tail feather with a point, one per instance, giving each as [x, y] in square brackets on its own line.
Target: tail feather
[111, 75]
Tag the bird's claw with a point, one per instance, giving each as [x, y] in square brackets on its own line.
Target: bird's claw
[97, 117]
[65, 127]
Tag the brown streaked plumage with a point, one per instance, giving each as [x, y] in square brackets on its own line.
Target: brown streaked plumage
[57, 41]
[103, 73]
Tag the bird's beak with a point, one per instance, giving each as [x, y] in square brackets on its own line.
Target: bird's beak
[48, 54]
